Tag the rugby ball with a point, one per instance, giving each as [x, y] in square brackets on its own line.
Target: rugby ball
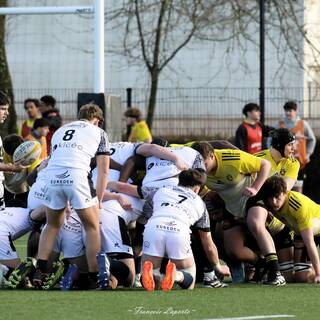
[27, 153]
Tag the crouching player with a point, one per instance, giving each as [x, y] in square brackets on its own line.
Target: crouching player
[167, 233]
[300, 214]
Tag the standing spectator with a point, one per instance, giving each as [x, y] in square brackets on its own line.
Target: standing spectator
[47, 103]
[305, 139]
[31, 106]
[251, 133]
[55, 122]
[140, 131]
[39, 133]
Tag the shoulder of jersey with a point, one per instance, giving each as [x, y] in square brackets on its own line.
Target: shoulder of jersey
[230, 155]
[294, 202]
[261, 154]
[293, 160]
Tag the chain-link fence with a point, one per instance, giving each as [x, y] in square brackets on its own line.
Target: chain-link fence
[194, 112]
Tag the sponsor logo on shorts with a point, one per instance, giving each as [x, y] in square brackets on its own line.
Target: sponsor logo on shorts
[146, 244]
[62, 179]
[170, 228]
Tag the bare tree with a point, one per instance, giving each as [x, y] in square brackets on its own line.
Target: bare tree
[10, 126]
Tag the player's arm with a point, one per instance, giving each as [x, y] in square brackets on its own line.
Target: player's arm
[115, 165]
[148, 150]
[308, 239]
[123, 201]
[131, 166]
[103, 161]
[212, 252]
[125, 188]
[11, 167]
[262, 175]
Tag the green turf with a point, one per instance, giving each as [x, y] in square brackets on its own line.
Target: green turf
[302, 301]
[235, 301]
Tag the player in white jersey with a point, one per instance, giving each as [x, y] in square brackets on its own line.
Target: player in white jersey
[14, 223]
[67, 174]
[167, 233]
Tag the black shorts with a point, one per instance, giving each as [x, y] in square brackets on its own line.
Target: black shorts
[283, 239]
[254, 202]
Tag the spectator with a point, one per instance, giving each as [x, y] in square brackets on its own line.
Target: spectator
[47, 103]
[139, 129]
[39, 133]
[251, 133]
[55, 122]
[31, 106]
[305, 139]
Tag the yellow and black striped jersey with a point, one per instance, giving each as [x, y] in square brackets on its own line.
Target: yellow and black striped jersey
[286, 168]
[232, 166]
[299, 213]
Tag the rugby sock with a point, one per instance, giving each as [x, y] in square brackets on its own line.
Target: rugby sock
[42, 265]
[8, 272]
[186, 281]
[138, 264]
[83, 281]
[272, 264]
[120, 271]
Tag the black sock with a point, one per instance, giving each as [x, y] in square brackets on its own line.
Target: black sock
[93, 276]
[42, 265]
[187, 280]
[137, 264]
[83, 281]
[120, 271]
[8, 273]
[272, 264]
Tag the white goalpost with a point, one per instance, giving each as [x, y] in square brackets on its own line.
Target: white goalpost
[98, 12]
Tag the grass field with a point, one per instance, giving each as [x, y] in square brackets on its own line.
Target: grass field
[245, 301]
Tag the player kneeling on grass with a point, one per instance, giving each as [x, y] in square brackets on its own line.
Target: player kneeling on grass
[299, 213]
[167, 233]
[14, 223]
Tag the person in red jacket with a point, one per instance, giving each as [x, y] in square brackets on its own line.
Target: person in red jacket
[250, 134]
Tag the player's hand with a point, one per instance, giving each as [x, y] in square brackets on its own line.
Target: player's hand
[124, 203]
[317, 279]
[43, 164]
[249, 192]
[15, 167]
[181, 165]
[225, 270]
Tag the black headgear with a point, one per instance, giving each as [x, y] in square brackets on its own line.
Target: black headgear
[280, 138]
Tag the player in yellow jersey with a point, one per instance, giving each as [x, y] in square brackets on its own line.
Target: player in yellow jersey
[236, 176]
[283, 164]
[298, 212]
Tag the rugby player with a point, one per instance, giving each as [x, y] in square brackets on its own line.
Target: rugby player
[67, 179]
[167, 233]
[299, 213]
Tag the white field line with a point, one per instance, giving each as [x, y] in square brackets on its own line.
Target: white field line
[274, 316]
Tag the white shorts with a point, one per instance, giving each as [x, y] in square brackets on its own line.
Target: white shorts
[7, 249]
[114, 235]
[72, 185]
[36, 195]
[71, 239]
[165, 237]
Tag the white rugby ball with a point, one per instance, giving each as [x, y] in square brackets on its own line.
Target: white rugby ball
[27, 153]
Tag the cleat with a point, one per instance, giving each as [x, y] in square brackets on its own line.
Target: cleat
[54, 277]
[147, 276]
[278, 280]
[213, 283]
[69, 278]
[3, 272]
[137, 281]
[39, 278]
[169, 278]
[104, 270]
[18, 276]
